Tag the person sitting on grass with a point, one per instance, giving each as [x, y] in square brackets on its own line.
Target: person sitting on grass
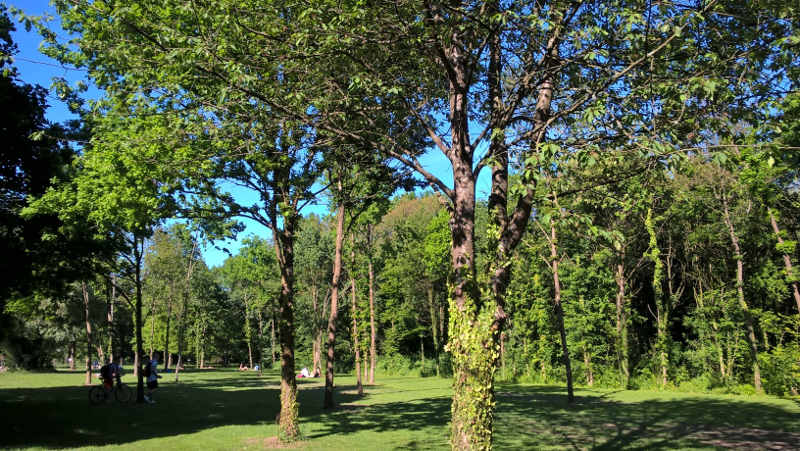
[151, 372]
[242, 367]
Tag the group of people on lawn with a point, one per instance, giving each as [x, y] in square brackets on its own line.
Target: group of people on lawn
[303, 374]
[112, 371]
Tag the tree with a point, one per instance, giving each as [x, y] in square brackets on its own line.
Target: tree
[115, 195]
[527, 76]
[35, 153]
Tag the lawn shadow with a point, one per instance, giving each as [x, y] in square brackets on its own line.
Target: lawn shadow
[526, 416]
[62, 416]
[360, 413]
[540, 417]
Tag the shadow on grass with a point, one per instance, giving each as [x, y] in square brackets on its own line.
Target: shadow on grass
[527, 416]
[540, 417]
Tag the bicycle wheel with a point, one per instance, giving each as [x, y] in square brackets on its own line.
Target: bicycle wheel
[123, 393]
[97, 394]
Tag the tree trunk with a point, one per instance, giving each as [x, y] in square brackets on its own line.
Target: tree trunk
[72, 355]
[272, 339]
[185, 309]
[787, 262]
[751, 334]
[316, 352]
[471, 333]
[86, 317]
[364, 368]
[202, 359]
[138, 326]
[110, 319]
[373, 331]
[560, 310]
[622, 323]
[432, 309]
[442, 315]
[284, 248]
[248, 334]
[167, 357]
[152, 327]
[337, 271]
[587, 363]
[654, 252]
[260, 343]
[355, 321]
[700, 299]
[181, 334]
[502, 353]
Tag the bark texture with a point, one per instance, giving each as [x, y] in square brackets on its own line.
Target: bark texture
[748, 316]
[334, 313]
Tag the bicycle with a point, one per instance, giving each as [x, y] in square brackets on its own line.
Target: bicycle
[98, 393]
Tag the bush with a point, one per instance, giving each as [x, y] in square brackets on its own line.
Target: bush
[699, 384]
[396, 365]
[781, 369]
[428, 369]
[607, 377]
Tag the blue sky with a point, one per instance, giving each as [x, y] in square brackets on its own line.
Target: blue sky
[35, 68]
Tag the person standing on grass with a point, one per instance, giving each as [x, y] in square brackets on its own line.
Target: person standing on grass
[151, 371]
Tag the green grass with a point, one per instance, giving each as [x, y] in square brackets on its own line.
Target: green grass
[226, 409]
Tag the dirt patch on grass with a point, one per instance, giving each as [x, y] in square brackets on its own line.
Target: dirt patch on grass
[271, 443]
[748, 438]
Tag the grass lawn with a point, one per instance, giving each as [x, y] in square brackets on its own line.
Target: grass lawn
[226, 409]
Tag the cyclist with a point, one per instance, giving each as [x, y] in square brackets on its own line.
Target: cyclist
[109, 372]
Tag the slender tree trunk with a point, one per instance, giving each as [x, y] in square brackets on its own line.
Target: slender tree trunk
[587, 363]
[373, 331]
[355, 321]
[203, 332]
[364, 368]
[434, 326]
[502, 353]
[751, 334]
[700, 299]
[622, 323]
[442, 315]
[86, 317]
[137, 252]
[272, 339]
[560, 310]
[260, 343]
[180, 352]
[658, 297]
[181, 334]
[152, 327]
[167, 357]
[335, 282]
[72, 355]
[248, 334]
[422, 350]
[315, 344]
[110, 319]
[185, 308]
[787, 262]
